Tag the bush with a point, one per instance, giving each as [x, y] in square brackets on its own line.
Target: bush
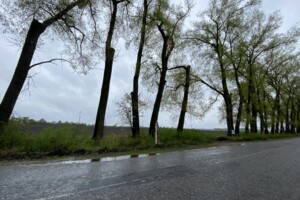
[12, 137]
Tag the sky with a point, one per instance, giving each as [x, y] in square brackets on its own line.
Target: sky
[58, 93]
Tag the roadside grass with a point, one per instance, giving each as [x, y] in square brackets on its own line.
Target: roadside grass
[69, 139]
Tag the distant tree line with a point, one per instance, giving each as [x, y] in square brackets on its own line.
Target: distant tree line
[233, 48]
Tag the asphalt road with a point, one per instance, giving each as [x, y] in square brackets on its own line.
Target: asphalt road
[260, 170]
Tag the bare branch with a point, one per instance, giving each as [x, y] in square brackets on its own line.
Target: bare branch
[49, 61]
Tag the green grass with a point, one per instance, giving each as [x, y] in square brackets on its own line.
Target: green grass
[71, 139]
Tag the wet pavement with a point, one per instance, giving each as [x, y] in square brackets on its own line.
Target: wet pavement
[260, 170]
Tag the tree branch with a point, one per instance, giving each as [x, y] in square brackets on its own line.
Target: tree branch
[207, 84]
[48, 61]
[178, 67]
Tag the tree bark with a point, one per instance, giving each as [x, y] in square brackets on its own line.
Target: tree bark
[135, 92]
[109, 57]
[185, 99]
[21, 72]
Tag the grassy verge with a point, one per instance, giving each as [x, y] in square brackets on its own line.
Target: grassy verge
[67, 139]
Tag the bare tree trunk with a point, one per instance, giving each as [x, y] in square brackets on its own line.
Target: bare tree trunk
[185, 99]
[135, 92]
[21, 72]
[109, 57]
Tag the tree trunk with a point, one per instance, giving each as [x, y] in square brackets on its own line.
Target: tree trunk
[229, 114]
[226, 94]
[298, 116]
[253, 101]
[260, 111]
[293, 117]
[278, 116]
[228, 105]
[262, 121]
[273, 115]
[239, 116]
[287, 117]
[281, 126]
[241, 102]
[273, 121]
[253, 125]
[135, 92]
[155, 112]
[248, 114]
[100, 119]
[109, 57]
[162, 82]
[21, 72]
[266, 131]
[185, 99]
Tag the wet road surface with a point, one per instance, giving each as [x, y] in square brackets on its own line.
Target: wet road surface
[260, 170]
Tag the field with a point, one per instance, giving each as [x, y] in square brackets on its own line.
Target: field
[43, 140]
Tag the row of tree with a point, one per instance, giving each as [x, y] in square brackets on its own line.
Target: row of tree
[233, 48]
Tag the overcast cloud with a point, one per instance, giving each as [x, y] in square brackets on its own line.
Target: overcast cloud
[58, 93]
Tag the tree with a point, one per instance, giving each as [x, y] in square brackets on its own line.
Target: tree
[62, 16]
[168, 21]
[210, 34]
[109, 59]
[135, 92]
[125, 109]
[184, 103]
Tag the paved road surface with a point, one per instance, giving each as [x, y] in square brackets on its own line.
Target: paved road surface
[260, 170]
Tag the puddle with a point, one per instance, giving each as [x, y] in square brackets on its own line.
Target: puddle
[107, 159]
[95, 160]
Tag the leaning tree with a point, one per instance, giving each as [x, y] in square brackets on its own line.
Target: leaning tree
[28, 20]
